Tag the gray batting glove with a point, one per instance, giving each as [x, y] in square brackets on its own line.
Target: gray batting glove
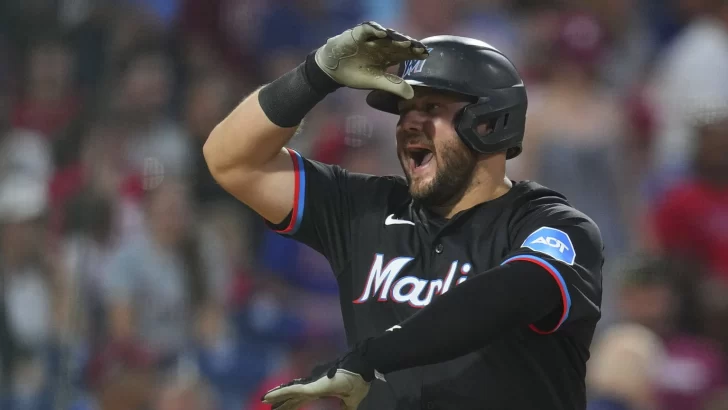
[348, 379]
[359, 58]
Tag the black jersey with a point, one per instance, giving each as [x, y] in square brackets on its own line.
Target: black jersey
[391, 258]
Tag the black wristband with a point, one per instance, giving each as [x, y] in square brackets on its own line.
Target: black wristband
[288, 99]
[317, 78]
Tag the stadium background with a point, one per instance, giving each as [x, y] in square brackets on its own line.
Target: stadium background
[129, 280]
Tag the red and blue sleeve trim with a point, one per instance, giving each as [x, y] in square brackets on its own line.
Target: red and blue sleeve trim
[299, 196]
[565, 297]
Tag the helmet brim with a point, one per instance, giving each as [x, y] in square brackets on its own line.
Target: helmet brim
[386, 101]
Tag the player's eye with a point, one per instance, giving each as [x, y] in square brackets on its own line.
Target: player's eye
[403, 109]
[431, 107]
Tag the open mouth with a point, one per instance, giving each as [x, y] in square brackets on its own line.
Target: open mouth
[419, 157]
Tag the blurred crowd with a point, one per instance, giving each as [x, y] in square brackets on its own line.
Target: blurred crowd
[130, 280]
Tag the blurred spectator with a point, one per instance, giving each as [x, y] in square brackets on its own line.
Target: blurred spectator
[156, 143]
[49, 101]
[688, 75]
[231, 234]
[657, 293]
[622, 368]
[21, 150]
[309, 358]
[718, 402]
[100, 168]
[31, 292]
[210, 97]
[88, 245]
[103, 33]
[128, 28]
[384, 12]
[23, 14]
[120, 377]
[539, 23]
[714, 297]
[632, 43]
[233, 364]
[163, 12]
[6, 84]
[556, 152]
[420, 19]
[691, 219]
[232, 361]
[222, 31]
[290, 25]
[26, 152]
[495, 23]
[236, 348]
[575, 130]
[161, 280]
[186, 395]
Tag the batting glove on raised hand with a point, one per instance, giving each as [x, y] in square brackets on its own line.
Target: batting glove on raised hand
[348, 379]
[359, 58]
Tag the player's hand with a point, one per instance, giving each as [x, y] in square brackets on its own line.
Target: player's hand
[359, 58]
[348, 379]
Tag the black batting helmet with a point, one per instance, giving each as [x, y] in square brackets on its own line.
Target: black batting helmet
[476, 69]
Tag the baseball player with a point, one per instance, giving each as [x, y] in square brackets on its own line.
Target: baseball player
[460, 289]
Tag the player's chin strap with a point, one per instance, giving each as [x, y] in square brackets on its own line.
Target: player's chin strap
[348, 379]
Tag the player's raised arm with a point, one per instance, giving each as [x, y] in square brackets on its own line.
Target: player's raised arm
[245, 152]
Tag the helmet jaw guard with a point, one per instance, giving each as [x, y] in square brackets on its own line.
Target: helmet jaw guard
[472, 68]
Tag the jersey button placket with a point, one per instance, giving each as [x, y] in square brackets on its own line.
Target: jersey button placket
[439, 248]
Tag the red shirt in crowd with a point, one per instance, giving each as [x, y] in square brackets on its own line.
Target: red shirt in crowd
[692, 221]
[47, 118]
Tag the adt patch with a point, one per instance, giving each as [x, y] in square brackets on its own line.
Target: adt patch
[552, 242]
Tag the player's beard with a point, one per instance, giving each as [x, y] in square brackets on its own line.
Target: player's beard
[454, 174]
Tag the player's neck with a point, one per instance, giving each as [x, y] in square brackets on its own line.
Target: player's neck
[484, 187]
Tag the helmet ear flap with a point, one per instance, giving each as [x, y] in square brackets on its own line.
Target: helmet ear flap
[494, 124]
[481, 126]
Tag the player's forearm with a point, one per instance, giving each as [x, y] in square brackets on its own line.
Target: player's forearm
[467, 318]
[257, 129]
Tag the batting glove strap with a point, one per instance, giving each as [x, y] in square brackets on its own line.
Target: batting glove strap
[354, 362]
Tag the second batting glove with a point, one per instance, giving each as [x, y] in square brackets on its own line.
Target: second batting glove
[348, 379]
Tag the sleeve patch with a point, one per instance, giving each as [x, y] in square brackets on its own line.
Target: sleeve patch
[553, 242]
